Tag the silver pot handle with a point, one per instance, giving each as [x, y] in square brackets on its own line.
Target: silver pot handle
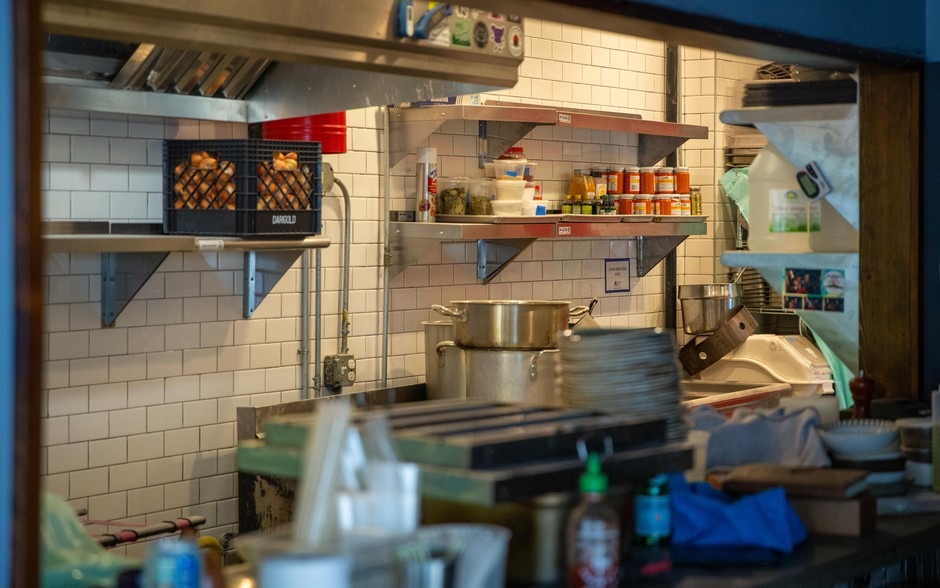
[460, 315]
[440, 351]
[534, 364]
[579, 311]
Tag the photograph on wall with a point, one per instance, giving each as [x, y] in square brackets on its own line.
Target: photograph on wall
[821, 290]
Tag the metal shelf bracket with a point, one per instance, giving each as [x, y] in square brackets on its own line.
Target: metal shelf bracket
[652, 250]
[122, 275]
[262, 271]
[493, 255]
[496, 137]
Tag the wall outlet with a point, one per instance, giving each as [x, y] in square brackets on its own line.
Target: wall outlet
[339, 370]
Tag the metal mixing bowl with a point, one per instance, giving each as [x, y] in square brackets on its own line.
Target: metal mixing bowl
[706, 306]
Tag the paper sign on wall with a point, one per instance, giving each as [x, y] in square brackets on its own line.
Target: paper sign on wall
[617, 275]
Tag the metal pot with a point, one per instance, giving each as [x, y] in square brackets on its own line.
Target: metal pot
[511, 376]
[509, 324]
[451, 372]
[706, 306]
[434, 333]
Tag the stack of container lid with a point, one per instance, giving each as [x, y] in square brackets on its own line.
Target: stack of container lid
[916, 438]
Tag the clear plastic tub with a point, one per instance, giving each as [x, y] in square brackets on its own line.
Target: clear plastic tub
[452, 195]
[510, 168]
[479, 196]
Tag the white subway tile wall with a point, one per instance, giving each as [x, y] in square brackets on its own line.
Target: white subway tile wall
[139, 418]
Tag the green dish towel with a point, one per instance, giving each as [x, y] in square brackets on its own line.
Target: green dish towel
[737, 186]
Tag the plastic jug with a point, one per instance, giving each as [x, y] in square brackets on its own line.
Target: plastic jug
[834, 233]
[781, 216]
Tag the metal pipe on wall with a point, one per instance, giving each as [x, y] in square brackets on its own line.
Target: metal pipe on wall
[318, 325]
[304, 351]
[670, 274]
[347, 241]
[386, 253]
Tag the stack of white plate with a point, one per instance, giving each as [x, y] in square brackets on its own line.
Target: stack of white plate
[631, 371]
[869, 444]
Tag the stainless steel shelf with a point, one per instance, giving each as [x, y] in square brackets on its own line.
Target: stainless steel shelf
[500, 243]
[749, 117]
[504, 124]
[170, 243]
[128, 261]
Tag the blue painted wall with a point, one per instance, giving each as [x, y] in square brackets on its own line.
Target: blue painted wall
[896, 26]
[7, 302]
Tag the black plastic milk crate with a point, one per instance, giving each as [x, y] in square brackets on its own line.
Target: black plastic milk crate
[241, 189]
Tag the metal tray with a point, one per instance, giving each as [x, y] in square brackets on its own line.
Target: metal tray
[590, 218]
[680, 219]
[498, 220]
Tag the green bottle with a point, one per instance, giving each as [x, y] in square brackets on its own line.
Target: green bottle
[653, 514]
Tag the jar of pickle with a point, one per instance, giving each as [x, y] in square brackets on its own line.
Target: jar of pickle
[695, 201]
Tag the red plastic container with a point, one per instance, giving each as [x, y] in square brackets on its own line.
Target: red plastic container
[329, 129]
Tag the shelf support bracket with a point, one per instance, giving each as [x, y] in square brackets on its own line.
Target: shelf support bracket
[262, 271]
[653, 148]
[405, 252]
[493, 255]
[495, 137]
[652, 250]
[122, 276]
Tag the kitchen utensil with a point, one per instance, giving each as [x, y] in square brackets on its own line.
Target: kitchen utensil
[706, 306]
[508, 324]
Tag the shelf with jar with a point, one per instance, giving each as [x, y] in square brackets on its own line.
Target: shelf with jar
[500, 238]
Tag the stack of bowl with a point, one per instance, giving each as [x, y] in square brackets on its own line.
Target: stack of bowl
[868, 444]
[916, 440]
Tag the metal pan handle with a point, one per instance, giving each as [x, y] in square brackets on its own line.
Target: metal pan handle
[534, 364]
[579, 311]
[460, 315]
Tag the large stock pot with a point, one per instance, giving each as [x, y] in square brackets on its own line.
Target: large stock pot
[509, 324]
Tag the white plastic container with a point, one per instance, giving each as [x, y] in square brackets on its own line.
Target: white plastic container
[780, 214]
[507, 207]
[509, 189]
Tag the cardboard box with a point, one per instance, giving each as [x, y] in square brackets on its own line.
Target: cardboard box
[849, 517]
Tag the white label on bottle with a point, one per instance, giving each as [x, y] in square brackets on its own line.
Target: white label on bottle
[789, 212]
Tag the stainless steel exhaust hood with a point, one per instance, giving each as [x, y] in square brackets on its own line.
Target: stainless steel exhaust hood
[250, 61]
